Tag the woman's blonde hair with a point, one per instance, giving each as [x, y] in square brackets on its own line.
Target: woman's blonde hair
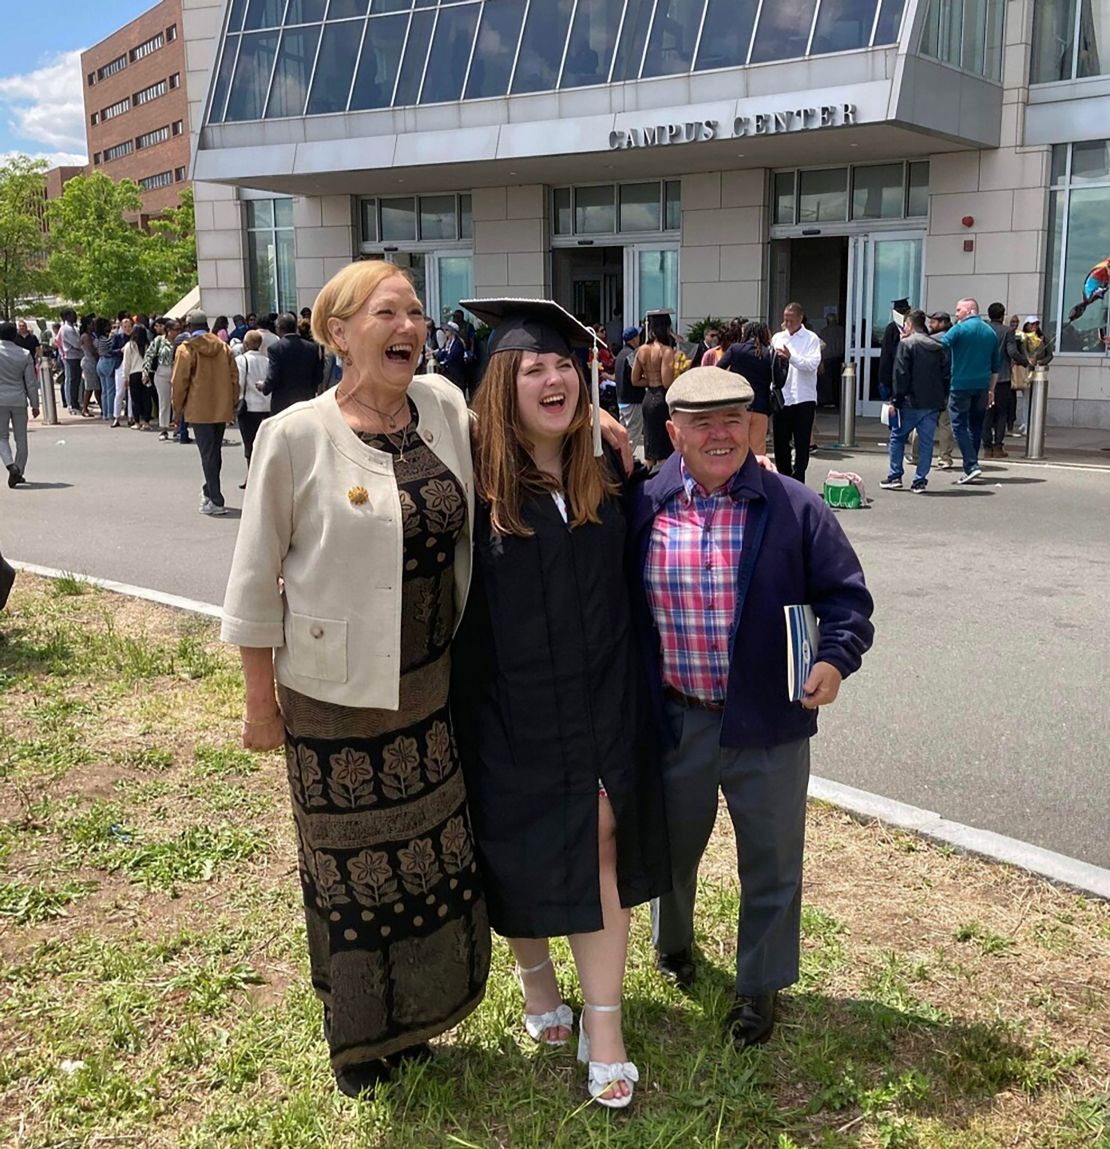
[346, 292]
[503, 467]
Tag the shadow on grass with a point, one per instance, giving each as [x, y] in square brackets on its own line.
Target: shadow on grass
[837, 1072]
[31, 650]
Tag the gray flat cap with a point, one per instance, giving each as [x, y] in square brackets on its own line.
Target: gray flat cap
[196, 319]
[704, 388]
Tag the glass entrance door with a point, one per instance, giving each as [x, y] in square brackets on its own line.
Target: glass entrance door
[650, 280]
[882, 267]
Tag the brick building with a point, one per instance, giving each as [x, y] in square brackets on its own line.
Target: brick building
[136, 106]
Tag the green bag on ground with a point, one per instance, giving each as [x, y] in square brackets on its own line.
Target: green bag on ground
[843, 495]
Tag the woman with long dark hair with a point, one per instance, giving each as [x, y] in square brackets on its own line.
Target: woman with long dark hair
[549, 702]
[750, 356]
[142, 399]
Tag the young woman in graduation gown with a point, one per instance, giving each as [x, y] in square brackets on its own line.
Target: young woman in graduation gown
[562, 774]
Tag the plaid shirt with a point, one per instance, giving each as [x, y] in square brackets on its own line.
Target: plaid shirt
[690, 579]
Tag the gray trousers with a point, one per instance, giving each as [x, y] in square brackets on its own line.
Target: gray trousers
[14, 418]
[765, 790]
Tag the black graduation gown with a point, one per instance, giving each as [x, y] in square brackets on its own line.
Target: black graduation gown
[548, 698]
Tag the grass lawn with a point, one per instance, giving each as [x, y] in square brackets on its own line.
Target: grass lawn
[153, 984]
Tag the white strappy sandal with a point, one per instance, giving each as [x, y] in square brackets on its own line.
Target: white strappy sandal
[537, 1024]
[602, 1075]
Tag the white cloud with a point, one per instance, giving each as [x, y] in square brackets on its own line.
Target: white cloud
[45, 107]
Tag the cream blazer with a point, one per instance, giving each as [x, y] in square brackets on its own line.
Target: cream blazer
[334, 620]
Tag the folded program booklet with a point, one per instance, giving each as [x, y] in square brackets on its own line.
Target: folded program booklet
[801, 648]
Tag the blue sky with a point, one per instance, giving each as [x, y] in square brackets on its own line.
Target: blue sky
[41, 110]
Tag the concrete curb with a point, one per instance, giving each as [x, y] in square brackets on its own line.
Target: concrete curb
[1057, 868]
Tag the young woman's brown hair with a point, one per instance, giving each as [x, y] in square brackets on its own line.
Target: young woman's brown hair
[503, 466]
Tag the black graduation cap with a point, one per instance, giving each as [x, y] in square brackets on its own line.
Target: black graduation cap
[537, 325]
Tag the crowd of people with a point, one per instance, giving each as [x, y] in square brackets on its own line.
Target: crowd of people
[520, 713]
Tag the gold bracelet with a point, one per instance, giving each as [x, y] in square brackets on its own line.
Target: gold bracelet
[262, 721]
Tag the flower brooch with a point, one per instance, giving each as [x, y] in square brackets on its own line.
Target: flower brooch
[358, 495]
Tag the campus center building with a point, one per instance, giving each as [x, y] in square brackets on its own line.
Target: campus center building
[718, 157]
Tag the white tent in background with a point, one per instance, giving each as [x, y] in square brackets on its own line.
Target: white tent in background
[187, 303]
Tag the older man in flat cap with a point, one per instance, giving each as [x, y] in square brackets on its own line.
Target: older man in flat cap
[723, 548]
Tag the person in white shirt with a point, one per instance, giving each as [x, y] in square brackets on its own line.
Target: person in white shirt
[254, 406]
[798, 350]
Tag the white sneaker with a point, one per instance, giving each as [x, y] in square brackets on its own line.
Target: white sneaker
[209, 508]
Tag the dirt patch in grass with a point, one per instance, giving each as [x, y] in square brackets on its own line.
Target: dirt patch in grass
[154, 989]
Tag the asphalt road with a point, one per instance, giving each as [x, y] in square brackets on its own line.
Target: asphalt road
[983, 698]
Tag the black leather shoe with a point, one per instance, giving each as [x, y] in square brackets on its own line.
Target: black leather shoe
[411, 1055]
[751, 1020]
[677, 967]
[362, 1078]
[7, 578]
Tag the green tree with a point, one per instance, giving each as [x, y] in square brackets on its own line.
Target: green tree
[99, 260]
[22, 240]
[173, 249]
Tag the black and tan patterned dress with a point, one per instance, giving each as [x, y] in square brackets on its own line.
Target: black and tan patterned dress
[398, 935]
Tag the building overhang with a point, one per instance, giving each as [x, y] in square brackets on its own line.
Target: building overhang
[1071, 111]
[855, 107]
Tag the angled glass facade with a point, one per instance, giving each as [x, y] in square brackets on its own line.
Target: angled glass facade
[288, 58]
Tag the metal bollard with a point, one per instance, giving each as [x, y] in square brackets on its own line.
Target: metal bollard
[1038, 412]
[848, 406]
[46, 388]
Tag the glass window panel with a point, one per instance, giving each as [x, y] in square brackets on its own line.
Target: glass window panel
[260, 213]
[890, 22]
[672, 194]
[541, 46]
[783, 31]
[293, 71]
[1088, 240]
[1090, 161]
[973, 53]
[1053, 41]
[592, 40]
[562, 211]
[223, 79]
[262, 258]
[368, 215]
[640, 207]
[340, 9]
[930, 33]
[466, 218]
[917, 194]
[630, 50]
[843, 25]
[286, 271]
[425, 3]
[823, 196]
[673, 37]
[332, 83]
[1094, 38]
[252, 76]
[416, 54]
[877, 192]
[657, 279]
[437, 217]
[456, 281]
[784, 197]
[727, 34]
[379, 6]
[416, 264]
[897, 275]
[264, 14]
[951, 30]
[498, 33]
[1050, 320]
[377, 67]
[398, 219]
[1059, 163]
[304, 12]
[451, 46]
[594, 210]
[996, 15]
[283, 211]
[235, 20]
